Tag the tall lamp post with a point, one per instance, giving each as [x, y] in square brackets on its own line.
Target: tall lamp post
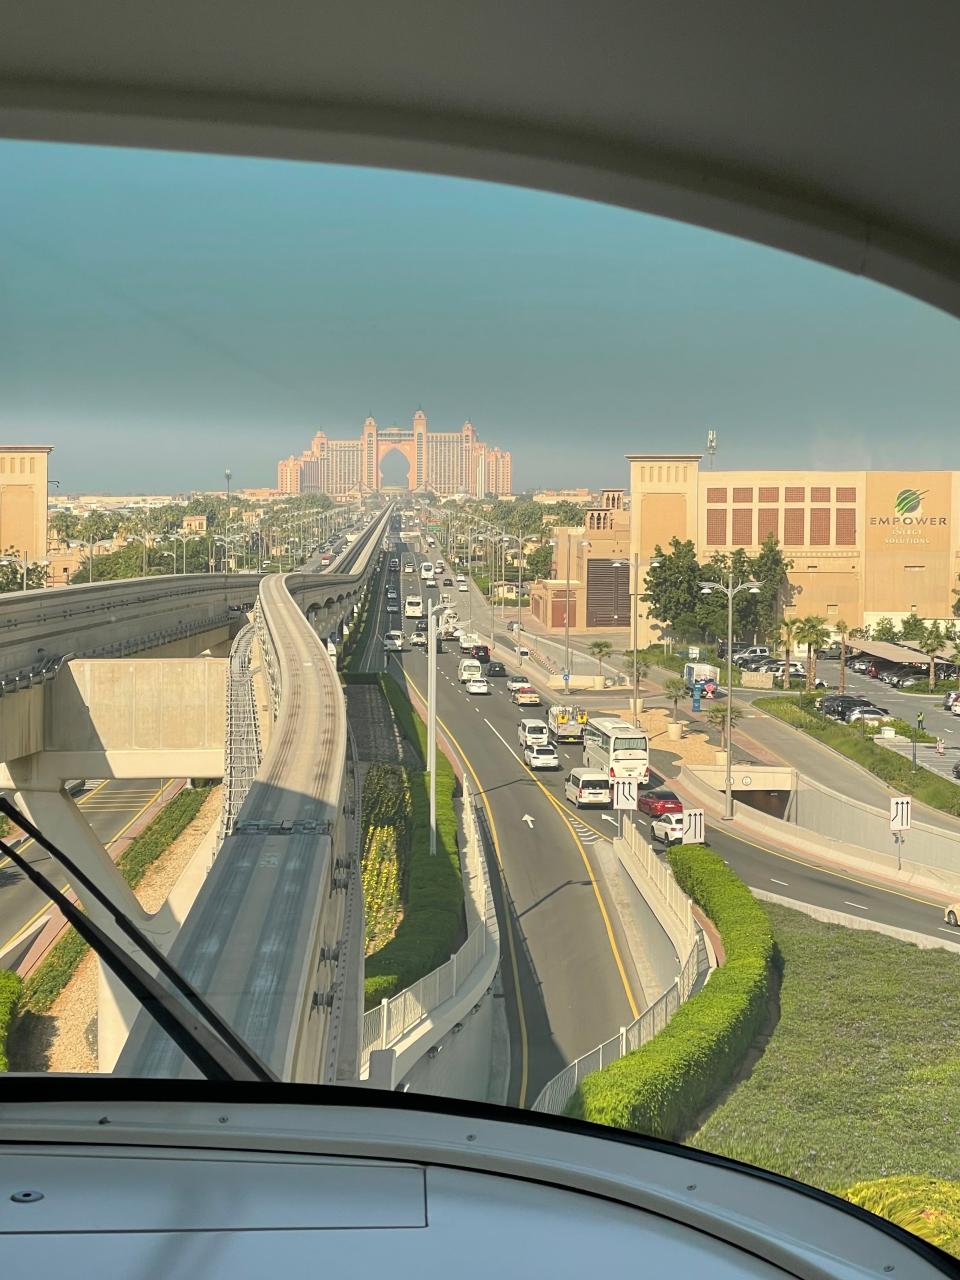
[584, 542]
[634, 594]
[432, 611]
[730, 591]
[226, 519]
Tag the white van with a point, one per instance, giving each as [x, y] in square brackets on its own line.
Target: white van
[587, 787]
[533, 733]
[426, 570]
[393, 640]
[469, 669]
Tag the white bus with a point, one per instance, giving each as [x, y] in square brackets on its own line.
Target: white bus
[616, 748]
[413, 607]
[426, 570]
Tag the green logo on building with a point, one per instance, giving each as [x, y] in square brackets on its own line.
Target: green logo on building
[908, 501]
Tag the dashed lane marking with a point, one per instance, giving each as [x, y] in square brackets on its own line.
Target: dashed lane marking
[858, 905]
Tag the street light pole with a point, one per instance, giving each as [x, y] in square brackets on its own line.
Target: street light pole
[432, 719]
[634, 599]
[566, 616]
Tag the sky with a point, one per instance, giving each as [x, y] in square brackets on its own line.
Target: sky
[165, 316]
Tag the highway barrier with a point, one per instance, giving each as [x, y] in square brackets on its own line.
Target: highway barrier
[242, 747]
[663, 1088]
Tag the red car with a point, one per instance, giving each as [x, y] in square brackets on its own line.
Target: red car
[659, 802]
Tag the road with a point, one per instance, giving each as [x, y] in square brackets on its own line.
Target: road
[110, 807]
[569, 973]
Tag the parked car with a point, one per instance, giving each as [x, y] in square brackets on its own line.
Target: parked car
[956, 770]
[861, 663]
[517, 682]
[950, 698]
[754, 651]
[496, 669]
[668, 828]
[587, 787]
[526, 696]
[955, 709]
[856, 714]
[540, 757]
[477, 685]
[951, 914]
[659, 801]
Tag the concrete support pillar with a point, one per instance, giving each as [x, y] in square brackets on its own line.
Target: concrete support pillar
[59, 818]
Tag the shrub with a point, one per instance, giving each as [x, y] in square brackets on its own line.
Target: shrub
[51, 976]
[929, 1207]
[888, 766]
[386, 849]
[432, 924]
[663, 1087]
[10, 989]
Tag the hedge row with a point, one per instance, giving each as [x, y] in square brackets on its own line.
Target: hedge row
[385, 849]
[433, 925]
[888, 766]
[50, 977]
[663, 1088]
[10, 988]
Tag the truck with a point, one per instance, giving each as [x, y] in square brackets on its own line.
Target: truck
[566, 723]
[700, 671]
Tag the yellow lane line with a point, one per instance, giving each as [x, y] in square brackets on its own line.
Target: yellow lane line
[511, 943]
[43, 910]
[84, 800]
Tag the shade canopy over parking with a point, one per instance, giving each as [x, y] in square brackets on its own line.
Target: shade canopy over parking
[887, 651]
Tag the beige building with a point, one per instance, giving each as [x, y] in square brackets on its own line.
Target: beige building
[23, 500]
[596, 559]
[864, 544]
[195, 524]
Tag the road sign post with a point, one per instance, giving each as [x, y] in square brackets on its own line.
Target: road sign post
[625, 793]
[693, 828]
[900, 812]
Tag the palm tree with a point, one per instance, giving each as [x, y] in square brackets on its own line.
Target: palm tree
[842, 629]
[930, 643]
[675, 689]
[718, 718]
[787, 630]
[600, 650]
[814, 633]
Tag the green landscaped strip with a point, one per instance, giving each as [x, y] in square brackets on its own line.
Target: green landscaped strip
[385, 850]
[432, 925]
[663, 1088]
[890, 767]
[861, 1074]
[929, 1207]
[10, 989]
[50, 977]
[654, 656]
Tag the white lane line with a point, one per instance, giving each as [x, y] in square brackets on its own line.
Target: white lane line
[503, 740]
[954, 932]
[785, 883]
[858, 905]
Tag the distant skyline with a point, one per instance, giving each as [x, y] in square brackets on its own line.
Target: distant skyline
[165, 316]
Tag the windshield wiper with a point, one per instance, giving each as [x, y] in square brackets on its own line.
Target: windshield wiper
[208, 1042]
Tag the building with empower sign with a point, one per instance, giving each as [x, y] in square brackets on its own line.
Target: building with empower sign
[441, 462]
[864, 544]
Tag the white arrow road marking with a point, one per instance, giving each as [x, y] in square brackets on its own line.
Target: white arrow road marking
[606, 818]
[528, 820]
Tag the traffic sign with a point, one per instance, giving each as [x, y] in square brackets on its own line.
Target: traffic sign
[693, 826]
[566, 677]
[626, 792]
[693, 651]
[900, 813]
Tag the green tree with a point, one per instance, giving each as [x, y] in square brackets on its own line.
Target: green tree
[787, 636]
[65, 525]
[567, 515]
[539, 563]
[600, 649]
[770, 569]
[885, 629]
[712, 608]
[675, 689]
[672, 586]
[814, 633]
[912, 628]
[717, 715]
[842, 629]
[930, 643]
[11, 572]
[635, 664]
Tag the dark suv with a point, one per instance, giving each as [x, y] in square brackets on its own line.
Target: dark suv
[481, 652]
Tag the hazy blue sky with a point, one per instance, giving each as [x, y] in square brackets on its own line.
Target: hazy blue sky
[164, 316]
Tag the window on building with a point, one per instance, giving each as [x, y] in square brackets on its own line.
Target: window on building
[716, 528]
[769, 493]
[768, 522]
[820, 494]
[846, 527]
[742, 533]
[793, 528]
[716, 495]
[794, 493]
[742, 495]
[832, 610]
[820, 527]
[846, 495]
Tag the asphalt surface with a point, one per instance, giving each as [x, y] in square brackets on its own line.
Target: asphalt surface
[110, 807]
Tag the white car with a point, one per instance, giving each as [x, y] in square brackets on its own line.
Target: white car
[393, 640]
[538, 757]
[668, 828]
[408, 568]
[477, 685]
[463, 587]
[955, 709]
[516, 682]
[461, 577]
[393, 606]
[418, 640]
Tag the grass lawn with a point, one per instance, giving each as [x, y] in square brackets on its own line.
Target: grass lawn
[861, 1078]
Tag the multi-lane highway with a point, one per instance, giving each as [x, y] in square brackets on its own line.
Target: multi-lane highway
[570, 969]
[111, 808]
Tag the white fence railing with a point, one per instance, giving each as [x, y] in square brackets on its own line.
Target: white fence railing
[394, 1018]
[684, 930]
